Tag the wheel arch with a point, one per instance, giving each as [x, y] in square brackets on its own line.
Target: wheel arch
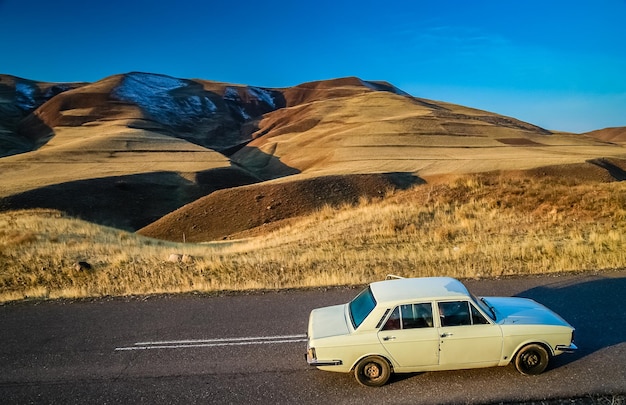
[544, 344]
[383, 356]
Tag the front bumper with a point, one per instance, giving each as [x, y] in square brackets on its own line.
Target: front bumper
[566, 349]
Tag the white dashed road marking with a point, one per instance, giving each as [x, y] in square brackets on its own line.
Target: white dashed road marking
[237, 341]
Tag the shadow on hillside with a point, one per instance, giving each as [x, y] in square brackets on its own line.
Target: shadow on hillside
[265, 165]
[611, 167]
[127, 202]
[20, 130]
[595, 308]
[249, 211]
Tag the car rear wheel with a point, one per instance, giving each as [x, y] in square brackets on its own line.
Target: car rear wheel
[532, 359]
[372, 371]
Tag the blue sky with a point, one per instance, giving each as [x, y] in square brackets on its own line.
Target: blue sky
[557, 64]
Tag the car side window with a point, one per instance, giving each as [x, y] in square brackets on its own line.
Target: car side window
[477, 317]
[410, 316]
[393, 322]
[454, 313]
[416, 316]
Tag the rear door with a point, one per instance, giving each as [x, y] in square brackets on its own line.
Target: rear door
[410, 336]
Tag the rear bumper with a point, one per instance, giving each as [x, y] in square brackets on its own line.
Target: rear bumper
[320, 363]
[566, 349]
[314, 362]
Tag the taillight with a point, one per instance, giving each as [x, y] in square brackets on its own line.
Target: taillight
[311, 353]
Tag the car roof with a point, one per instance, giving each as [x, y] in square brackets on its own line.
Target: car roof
[410, 289]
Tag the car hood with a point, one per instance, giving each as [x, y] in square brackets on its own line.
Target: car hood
[523, 311]
[328, 321]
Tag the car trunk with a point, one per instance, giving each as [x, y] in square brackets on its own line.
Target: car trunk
[328, 321]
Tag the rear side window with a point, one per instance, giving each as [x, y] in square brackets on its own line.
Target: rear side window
[410, 316]
[361, 306]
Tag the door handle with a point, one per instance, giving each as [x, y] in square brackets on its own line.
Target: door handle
[386, 338]
[446, 334]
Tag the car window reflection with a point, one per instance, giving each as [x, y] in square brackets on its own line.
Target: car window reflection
[454, 313]
[459, 313]
[410, 316]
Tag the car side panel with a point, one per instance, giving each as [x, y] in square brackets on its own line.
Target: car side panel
[470, 346]
[411, 347]
[517, 336]
[348, 348]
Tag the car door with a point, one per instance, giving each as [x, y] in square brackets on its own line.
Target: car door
[467, 338]
[410, 336]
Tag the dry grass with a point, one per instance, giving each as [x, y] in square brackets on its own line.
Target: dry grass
[476, 226]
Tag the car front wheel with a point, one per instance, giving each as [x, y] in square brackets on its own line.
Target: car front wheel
[532, 359]
[372, 371]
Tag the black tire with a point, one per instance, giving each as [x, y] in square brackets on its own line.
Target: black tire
[372, 371]
[532, 359]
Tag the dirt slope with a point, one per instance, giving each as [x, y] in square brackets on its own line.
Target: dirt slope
[232, 212]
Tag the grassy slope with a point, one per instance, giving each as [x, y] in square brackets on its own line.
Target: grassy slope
[382, 132]
[474, 226]
[103, 151]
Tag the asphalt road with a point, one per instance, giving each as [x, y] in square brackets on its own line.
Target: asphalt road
[250, 349]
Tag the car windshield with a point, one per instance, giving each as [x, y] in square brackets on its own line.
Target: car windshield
[484, 305]
[361, 306]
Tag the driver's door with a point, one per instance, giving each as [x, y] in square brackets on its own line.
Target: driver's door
[467, 338]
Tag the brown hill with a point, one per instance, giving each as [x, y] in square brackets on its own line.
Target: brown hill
[205, 113]
[259, 208]
[130, 148]
[615, 135]
[373, 131]
[242, 211]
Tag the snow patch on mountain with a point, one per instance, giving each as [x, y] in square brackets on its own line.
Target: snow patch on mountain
[26, 96]
[263, 95]
[249, 102]
[242, 112]
[231, 93]
[167, 100]
[254, 94]
[140, 87]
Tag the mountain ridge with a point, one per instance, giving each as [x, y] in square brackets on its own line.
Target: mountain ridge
[131, 148]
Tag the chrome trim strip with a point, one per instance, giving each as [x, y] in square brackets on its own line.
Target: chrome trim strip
[567, 349]
[318, 363]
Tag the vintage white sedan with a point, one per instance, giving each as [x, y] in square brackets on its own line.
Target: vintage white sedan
[408, 325]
